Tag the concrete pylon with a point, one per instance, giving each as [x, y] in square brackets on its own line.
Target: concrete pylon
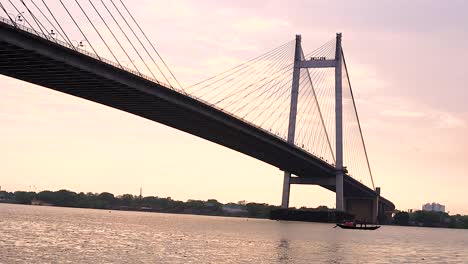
[292, 116]
[340, 206]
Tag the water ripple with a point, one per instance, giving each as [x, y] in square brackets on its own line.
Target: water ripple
[33, 234]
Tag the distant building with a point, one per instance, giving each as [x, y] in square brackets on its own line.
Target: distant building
[34, 201]
[433, 207]
[233, 209]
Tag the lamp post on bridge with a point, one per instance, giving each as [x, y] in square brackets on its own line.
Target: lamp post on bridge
[79, 44]
[19, 18]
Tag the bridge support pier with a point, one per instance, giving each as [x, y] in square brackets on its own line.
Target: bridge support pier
[286, 190]
[364, 209]
[339, 192]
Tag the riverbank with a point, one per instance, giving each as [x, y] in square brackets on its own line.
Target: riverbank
[128, 202]
[430, 219]
[211, 207]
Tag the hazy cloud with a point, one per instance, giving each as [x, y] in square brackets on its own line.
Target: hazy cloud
[448, 120]
[259, 24]
[402, 113]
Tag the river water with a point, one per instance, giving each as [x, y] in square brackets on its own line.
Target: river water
[41, 234]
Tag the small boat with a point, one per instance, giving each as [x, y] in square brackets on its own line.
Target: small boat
[361, 227]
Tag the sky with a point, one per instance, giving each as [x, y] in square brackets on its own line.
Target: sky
[407, 65]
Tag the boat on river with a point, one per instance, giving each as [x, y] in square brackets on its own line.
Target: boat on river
[360, 227]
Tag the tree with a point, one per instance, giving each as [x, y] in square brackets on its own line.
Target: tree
[243, 202]
[429, 218]
[47, 196]
[258, 210]
[214, 206]
[195, 204]
[6, 195]
[24, 197]
[105, 200]
[65, 198]
[127, 199]
[322, 208]
[401, 218]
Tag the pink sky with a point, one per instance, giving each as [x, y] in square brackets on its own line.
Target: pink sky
[407, 66]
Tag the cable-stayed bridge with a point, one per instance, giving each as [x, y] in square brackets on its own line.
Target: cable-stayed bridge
[293, 110]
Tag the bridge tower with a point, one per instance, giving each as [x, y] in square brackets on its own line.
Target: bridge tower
[336, 63]
[292, 116]
[340, 206]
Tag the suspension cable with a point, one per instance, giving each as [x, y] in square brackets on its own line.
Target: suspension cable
[152, 45]
[79, 28]
[99, 34]
[357, 117]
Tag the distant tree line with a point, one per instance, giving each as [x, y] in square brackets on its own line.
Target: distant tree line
[107, 200]
[430, 219]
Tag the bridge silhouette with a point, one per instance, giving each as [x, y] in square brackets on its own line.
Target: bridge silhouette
[292, 110]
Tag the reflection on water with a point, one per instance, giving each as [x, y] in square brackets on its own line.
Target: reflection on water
[283, 251]
[33, 234]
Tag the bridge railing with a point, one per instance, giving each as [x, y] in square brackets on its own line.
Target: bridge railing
[77, 49]
[97, 57]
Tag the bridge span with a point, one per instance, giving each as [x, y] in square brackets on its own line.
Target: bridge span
[28, 56]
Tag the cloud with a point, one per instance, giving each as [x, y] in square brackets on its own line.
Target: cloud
[258, 24]
[221, 63]
[227, 42]
[448, 120]
[402, 113]
[428, 117]
[167, 9]
[365, 78]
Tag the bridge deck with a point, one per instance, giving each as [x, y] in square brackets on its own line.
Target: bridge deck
[33, 59]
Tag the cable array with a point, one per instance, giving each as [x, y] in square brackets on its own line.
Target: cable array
[255, 91]
[259, 92]
[102, 29]
[312, 133]
[324, 86]
[355, 156]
